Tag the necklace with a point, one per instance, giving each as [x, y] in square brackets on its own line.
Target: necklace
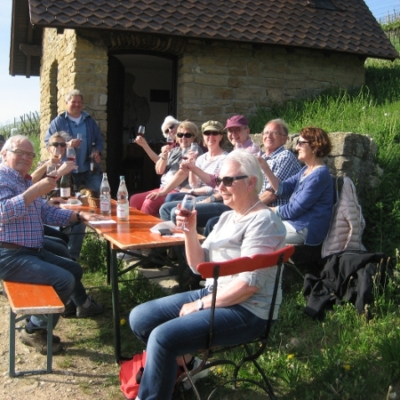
[248, 210]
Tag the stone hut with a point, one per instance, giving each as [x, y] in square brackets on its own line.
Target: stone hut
[138, 61]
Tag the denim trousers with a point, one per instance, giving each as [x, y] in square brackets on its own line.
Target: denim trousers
[168, 336]
[43, 267]
[205, 211]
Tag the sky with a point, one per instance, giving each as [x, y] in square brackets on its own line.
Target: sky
[21, 95]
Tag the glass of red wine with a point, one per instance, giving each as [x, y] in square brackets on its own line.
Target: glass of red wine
[187, 206]
[57, 152]
[51, 171]
[71, 154]
[141, 131]
[170, 141]
[185, 153]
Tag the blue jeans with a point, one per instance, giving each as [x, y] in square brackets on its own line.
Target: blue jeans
[157, 323]
[205, 211]
[87, 180]
[43, 267]
[175, 197]
[76, 233]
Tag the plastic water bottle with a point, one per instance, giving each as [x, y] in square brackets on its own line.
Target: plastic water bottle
[105, 196]
[122, 201]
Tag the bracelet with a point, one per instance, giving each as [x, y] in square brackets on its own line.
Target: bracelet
[78, 216]
[270, 189]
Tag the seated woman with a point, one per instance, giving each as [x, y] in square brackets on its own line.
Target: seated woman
[72, 236]
[178, 325]
[169, 128]
[308, 214]
[167, 166]
[209, 163]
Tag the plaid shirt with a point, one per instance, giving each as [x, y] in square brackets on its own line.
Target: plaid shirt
[283, 164]
[21, 224]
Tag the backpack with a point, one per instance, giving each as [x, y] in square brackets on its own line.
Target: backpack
[130, 375]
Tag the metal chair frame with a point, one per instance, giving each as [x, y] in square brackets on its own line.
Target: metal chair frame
[215, 270]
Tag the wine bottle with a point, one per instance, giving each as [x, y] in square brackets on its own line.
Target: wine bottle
[93, 163]
[65, 187]
[122, 201]
[105, 196]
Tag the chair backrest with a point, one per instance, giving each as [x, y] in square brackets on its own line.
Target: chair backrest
[243, 264]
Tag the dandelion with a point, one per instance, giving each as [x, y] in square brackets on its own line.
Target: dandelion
[290, 356]
[346, 367]
[219, 371]
[122, 321]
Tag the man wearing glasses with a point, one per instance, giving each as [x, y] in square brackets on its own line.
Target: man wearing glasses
[23, 212]
[84, 131]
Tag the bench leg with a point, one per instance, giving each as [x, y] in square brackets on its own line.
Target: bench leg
[49, 342]
[11, 364]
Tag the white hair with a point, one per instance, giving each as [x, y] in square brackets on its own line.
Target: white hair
[168, 121]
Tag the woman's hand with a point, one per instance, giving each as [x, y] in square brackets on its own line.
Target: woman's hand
[141, 141]
[190, 221]
[155, 195]
[66, 168]
[188, 308]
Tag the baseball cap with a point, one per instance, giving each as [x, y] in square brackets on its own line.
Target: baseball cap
[212, 126]
[236, 120]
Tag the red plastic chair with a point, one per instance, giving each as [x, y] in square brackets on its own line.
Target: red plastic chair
[215, 270]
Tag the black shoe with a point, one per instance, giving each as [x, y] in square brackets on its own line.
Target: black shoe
[93, 309]
[70, 310]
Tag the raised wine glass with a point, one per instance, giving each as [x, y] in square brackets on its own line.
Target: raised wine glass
[51, 171]
[187, 206]
[194, 149]
[185, 153]
[57, 152]
[170, 141]
[79, 137]
[141, 130]
[71, 154]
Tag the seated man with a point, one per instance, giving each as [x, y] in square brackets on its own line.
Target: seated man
[23, 212]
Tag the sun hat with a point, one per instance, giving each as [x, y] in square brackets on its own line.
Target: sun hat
[212, 126]
[236, 120]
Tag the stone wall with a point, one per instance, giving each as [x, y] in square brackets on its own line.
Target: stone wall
[352, 154]
[71, 62]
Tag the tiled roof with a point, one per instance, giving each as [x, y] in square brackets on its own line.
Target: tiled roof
[351, 29]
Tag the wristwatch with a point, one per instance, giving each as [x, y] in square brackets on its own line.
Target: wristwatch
[200, 304]
[212, 199]
[191, 191]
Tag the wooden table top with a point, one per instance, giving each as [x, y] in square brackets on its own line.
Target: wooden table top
[132, 234]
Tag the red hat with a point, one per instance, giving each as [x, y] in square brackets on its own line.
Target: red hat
[236, 120]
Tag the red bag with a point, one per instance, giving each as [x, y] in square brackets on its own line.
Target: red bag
[130, 375]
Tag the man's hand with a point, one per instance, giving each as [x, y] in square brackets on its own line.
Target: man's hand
[88, 216]
[56, 201]
[74, 143]
[97, 156]
[45, 185]
[268, 197]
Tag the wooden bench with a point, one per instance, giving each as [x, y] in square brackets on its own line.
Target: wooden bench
[26, 299]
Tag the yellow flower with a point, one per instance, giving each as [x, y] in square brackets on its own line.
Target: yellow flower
[290, 356]
[122, 321]
[346, 367]
[219, 370]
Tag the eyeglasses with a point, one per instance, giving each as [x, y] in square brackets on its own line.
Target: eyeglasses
[236, 129]
[56, 144]
[187, 135]
[301, 143]
[214, 133]
[168, 130]
[21, 153]
[272, 133]
[228, 180]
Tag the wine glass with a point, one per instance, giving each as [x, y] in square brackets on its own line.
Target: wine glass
[254, 149]
[141, 130]
[187, 206]
[51, 171]
[170, 141]
[185, 153]
[79, 137]
[71, 154]
[194, 148]
[57, 152]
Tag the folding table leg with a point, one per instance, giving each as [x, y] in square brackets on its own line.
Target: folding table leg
[11, 365]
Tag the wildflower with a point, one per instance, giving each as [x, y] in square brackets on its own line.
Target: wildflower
[122, 321]
[290, 356]
[363, 108]
[219, 370]
[346, 367]
[386, 114]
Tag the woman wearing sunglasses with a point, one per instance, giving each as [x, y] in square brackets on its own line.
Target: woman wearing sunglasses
[308, 213]
[208, 163]
[175, 326]
[167, 166]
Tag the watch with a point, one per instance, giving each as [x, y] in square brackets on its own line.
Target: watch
[212, 199]
[191, 191]
[200, 304]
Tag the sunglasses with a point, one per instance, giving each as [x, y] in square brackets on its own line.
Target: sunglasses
[168, 130]
[301, 143]
[228, 180]
[187, 135]
[214, 133]
[56, 144]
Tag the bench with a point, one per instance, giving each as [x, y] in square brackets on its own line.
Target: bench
[26, 299]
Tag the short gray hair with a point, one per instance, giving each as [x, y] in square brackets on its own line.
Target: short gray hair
[248, 165]
[73, 93]
[60, 134]
[282, 123]
[12, 140]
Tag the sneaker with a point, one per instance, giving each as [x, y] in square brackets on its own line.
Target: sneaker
[93, 309]
[200, 375]
[38, 340]
[70, 310]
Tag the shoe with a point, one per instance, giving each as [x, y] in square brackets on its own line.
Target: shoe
[70, 310]
[43, 331]
[93, 309]
[200, 375]
[38, 340]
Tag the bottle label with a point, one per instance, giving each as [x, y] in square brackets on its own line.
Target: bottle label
[65, 192]
[122, 211]
[104, 205]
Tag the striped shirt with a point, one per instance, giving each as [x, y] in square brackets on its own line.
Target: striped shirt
[21, 224]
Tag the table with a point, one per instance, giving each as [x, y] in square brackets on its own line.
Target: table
[128, 235]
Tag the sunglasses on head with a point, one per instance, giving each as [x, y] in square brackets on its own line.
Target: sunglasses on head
[228, 180]
[187, 135]
[214, 133]
[56, 144]
[168, 130]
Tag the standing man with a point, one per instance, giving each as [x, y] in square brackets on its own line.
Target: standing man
[23, 212]
[75, 121]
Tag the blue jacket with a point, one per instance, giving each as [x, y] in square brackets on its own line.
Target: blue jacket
[311, 203]
[61, 123]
